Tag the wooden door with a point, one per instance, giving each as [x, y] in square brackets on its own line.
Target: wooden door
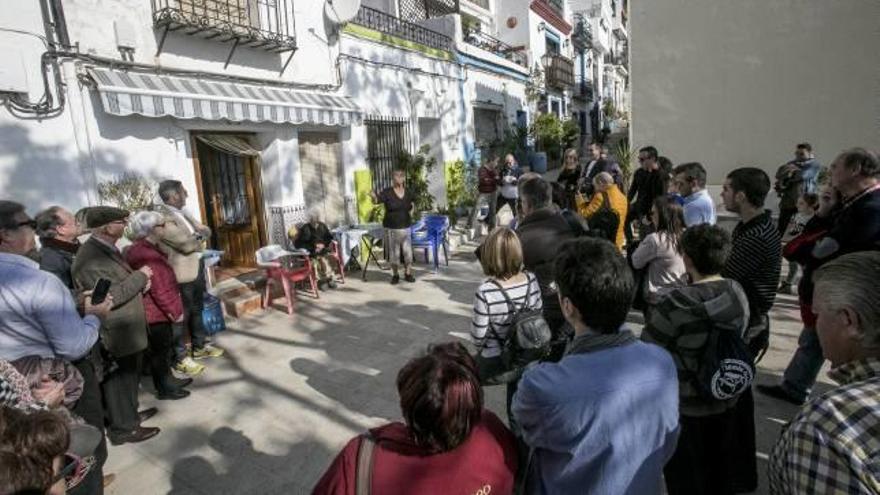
[233, 203]
[321, 166]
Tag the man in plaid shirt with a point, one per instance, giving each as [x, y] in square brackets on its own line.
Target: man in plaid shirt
[833, 445]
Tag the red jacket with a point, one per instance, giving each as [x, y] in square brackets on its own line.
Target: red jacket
[488, 179]
[162, 302]
[484, 463]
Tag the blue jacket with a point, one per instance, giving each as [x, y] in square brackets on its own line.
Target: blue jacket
[604, 421]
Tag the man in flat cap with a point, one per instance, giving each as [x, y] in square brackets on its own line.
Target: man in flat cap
[124, 332]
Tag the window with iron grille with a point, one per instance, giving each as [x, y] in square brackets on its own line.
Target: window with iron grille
[387, 139]
[419, 10]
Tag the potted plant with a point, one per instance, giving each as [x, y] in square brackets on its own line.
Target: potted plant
[417, 168]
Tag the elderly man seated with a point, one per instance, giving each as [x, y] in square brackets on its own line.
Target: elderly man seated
[832, 445]
[316, 238]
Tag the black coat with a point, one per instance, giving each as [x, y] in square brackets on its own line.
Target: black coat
[57, 261]
[541, 234]
[309, 236]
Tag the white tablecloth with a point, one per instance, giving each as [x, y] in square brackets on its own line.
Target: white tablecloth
[349, 238]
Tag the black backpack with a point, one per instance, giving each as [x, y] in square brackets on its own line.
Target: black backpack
[726, 366]
[605, 221]
[528, 337]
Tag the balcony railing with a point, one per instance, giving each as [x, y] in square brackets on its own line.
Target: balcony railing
[560, 72]
[583, 89]
[263, 24]
[388, 24]
[582, 34]
[496, 46]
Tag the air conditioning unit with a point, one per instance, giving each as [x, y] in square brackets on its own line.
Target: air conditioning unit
[13, 70]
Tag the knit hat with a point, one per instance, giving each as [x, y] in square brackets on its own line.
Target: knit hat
[98, 216]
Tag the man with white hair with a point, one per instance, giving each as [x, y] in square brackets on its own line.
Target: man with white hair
[831, 446]
[315, 237]
[183, 243]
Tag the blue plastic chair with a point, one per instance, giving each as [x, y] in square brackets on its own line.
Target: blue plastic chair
[431, 233]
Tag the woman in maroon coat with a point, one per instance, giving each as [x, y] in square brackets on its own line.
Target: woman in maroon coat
[448, 444]
[162, 302]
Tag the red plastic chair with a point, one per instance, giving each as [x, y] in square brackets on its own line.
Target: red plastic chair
[336, 255]
[290, 272]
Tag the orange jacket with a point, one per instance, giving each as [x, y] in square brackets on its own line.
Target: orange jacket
[618, 205]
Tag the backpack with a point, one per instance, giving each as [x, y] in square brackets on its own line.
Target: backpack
[577, 224]
[726, 366]
[605, 221]
[528, 339]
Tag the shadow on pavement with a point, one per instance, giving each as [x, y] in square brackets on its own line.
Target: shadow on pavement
[242, 469]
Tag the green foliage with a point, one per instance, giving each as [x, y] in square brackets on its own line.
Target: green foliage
[129, 191]
[625, 156]
[535, 85]
[461, 189]
[547, 131]
[608, 108]
[553, 135]
[571, 132]
[513, 142]
[457, 193]
[417, 168]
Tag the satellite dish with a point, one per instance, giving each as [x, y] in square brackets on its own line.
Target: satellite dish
[341, 11]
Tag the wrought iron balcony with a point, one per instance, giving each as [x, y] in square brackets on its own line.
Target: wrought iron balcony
[559, 71]
[263, 24]
[582, 34]
[496, 46]
[583, 89]
[388, 24]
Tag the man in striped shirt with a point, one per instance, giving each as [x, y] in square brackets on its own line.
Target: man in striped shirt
[756, 257]
[755, 262]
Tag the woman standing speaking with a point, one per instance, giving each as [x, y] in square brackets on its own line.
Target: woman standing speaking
[398, 202]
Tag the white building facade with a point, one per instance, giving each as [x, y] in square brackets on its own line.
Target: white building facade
[264, 108]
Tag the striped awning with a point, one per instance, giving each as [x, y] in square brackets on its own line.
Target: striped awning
[159, 95]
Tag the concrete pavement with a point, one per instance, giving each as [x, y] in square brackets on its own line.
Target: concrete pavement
[270, 415]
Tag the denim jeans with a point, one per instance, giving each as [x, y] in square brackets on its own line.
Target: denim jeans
[193, 295]
[802, 370]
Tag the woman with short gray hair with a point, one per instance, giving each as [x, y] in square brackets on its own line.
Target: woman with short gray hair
[398, 203]
[162, 301]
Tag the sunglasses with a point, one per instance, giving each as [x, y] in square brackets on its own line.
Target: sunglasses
[29, 223]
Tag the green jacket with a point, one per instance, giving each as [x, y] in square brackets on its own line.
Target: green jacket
[124, 331]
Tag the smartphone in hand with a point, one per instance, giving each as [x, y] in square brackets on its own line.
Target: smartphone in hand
[99, 293]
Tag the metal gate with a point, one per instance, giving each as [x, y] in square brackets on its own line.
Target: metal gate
[387, 139]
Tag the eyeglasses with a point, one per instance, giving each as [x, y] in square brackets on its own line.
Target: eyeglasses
[27, 223]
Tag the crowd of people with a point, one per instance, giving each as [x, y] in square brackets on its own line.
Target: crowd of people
[607, 411]
[593, 408]
[80, 319]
